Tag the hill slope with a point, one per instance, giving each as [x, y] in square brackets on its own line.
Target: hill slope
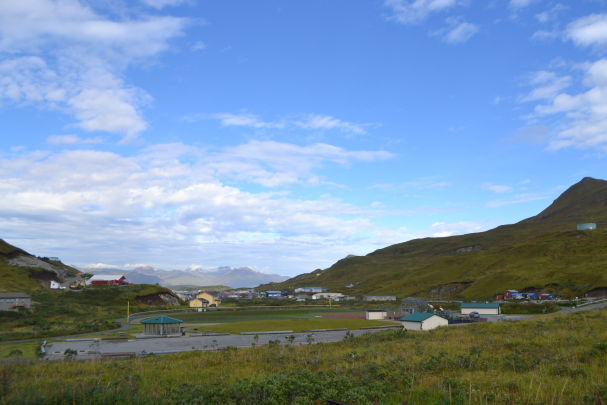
[475, 265]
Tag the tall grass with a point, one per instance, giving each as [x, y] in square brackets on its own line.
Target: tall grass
[557, 359]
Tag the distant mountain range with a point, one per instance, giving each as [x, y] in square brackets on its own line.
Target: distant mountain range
[228, 276]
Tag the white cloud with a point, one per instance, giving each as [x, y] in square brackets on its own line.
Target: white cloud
[588, 31]
[584, 123]
[456, 32]
[163, 3]
[71, 140]
[62, 55]
[415, 11]
[517, 199]
[497, 100]
[520, 3]
[166, 204]
[527, 181]
[496, 188]
[442, 229]
[198, 46]
[101, 266]
[549, 86]
[377, 204]
[310, 122]
[551, 14]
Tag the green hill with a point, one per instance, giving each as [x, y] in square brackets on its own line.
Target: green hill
[541, 253]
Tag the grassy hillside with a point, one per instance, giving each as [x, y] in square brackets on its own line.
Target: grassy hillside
[528, 362]
[441, 266]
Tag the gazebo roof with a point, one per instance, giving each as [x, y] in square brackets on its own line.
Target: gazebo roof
[161, 320]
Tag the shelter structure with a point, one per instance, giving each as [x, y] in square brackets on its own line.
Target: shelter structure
[423, 321]
[482, 309]
[161, 325]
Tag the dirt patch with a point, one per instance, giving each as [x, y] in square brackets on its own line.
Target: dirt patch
[548, 288]
[43, 277]
[158, 299]
[579, 235]
[448, 290]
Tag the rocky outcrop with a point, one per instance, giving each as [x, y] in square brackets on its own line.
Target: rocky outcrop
[23, 260]
[468, 249]
[158, 299]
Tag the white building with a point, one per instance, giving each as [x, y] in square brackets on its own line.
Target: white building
[312, 289]
[321, 296]
[299, 290]
[376, 314]
[482, 309]
[55, 285]
[423, 321]
[54, 259]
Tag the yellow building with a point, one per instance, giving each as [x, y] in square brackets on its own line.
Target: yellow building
[204, 300]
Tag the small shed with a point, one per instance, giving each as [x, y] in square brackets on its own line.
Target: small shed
[482, 309]
[423, 321]
[161, 325]
[376, 314]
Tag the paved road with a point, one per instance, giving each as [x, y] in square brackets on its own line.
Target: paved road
[123, 326]
[192, 343]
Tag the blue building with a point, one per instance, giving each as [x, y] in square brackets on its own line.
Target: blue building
[274, 294]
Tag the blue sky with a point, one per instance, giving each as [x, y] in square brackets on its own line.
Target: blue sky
[284, 135]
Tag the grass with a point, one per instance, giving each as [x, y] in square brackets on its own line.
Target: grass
[295, 326]
[547, 360]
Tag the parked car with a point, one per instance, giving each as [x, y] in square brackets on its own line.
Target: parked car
[474, 314]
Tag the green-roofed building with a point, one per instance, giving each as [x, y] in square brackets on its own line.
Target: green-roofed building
[482, 309]
[423, 321]
[161, 325]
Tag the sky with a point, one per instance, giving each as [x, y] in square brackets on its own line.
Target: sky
[285, 135]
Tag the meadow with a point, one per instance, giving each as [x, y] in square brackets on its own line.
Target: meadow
[553, 359]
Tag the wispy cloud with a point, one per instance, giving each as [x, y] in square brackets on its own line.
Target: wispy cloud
[588, 31]
[71, 140]
[457, 31]
[416, 11]
[496, 188]
[198, 46]
[519, 198]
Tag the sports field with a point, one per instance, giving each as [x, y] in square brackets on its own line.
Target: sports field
[295, 326]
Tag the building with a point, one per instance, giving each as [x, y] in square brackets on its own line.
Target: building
[376, 314]
[379, 298]
[54, 259]
[161, 325]
[546, 297]
[325, 295]
[299, 290]
[55, 285]
[107, 280]
[482, 309]
[13, 301]
[212, 300]
[510, 294]
[586, 227]
[312, 289]
[274, 294]
[349, 285]
[423, 321]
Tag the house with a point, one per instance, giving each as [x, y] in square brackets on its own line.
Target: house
[510, 294]
[379, 298]
[212, 298]
[423, 321]
[482, 309]
[376, 314]
[198, 303]
[532, 296]
[312, 289]
[326, 295]
[546, 297]
[107, 280]
[13, 301]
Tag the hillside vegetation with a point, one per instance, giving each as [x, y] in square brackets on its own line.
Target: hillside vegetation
[556, 359]
[541, 253]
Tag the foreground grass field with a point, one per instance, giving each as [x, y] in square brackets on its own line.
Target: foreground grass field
[556, 359]
[295, 326]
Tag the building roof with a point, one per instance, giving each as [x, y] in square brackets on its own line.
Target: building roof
[14, 295]
[418, 317]
[161, 320]
[473, 305]
[313, 287]
[376, 310]
[380, 296]
[99, 277]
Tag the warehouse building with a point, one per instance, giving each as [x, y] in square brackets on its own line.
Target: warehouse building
[14, 301]
[312, 289]
[321, 296]
[161, 325]
[376, 314]
[98, 279]
[423, 321]
[482, 309]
